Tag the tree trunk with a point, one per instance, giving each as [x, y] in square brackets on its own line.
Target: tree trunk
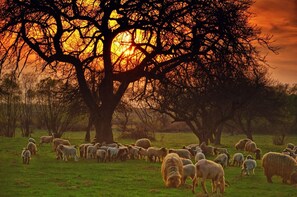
[218, 135]
[88, 130]
[103, 129]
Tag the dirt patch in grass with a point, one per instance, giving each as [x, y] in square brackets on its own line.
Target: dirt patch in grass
[22, 183]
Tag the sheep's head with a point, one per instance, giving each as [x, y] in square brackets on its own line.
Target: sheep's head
[258, 153]
[173, 181]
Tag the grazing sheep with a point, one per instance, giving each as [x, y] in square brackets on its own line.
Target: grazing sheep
[112, 153]
[32, 147]
[68, 151]
[290, 152]
[142, 153]
[26, 155]
[133, 151]
[241, 144]
[222, 159]
[172, 170]
[32, 140]
[184, 153]
[247, 166]
[218, 151]
[189, 171]
[101, 155]
[280, 165]
[155, 153]
[207, 169]
[143, 142]
[237, 159]
[193, 148]
[58, 141]
[186, 161]
[199, 156]
[82, 150]
[91, 151]
[251, 147]
[85, 149]
[207, 150]
[46, 139]
[123, 153]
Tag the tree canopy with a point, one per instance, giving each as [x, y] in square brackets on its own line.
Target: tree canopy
[108, 45]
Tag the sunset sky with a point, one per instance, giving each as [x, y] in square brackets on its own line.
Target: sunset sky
[279, 18]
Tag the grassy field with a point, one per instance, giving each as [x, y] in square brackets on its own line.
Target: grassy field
[46, 176]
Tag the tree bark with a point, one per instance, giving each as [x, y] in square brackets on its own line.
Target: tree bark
[88, 130]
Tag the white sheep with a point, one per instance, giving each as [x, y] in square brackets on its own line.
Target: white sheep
[32, 147]
[189, 171]
[101, 155]
[26, 155]
[133, 151]
[112, 153]
[199, 156]
[91, 151]
[155, 153]
[32, 140]
[58, 141]
[172, 170]
[248, 166]
[222, 159]
[184, 153]
[207, 169]
[237, 159]
[68, 151]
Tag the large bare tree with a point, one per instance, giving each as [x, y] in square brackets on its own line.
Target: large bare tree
[121, 42]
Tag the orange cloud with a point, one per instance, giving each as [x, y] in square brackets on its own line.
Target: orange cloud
[279, 18]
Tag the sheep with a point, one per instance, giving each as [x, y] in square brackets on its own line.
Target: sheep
[68, 151]
[222, 159]
[172, 170]
[82, 151]
[280, 165]
[85, 149]
[199, 156]
[189, 170]
[248, 165]
[58, 141]
[186, 161]
[101, 155]
[207, 169]
[290, 152]
[241, 144]
[133, 151]
[142, 153]
[291, 146]
[184, 153]
[45, 139]
[26, 155]
[237, 159]
[112, 153]
[32, 147]
[155, 153]
[143, 142]
[91, 151]
[207, 150]
[251, 147]
[32, 140]
[193, 148]
[123, 153]
[218, 151]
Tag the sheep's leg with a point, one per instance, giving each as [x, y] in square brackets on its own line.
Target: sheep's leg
[213, 186]
[194, 184]
[203, 185]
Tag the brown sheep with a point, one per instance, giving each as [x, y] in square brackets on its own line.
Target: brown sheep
[207, 150]
[58, 141]
[184, 153]
[172, 170]
[280, 165]
[207, 169]
[155, 154]
[143, 142]
[241, 144]
[32, 148]
[251, 147]
[45, 139]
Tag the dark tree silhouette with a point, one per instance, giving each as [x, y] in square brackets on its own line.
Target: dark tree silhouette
[122, 42]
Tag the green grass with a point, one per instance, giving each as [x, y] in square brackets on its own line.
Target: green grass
[46, 176]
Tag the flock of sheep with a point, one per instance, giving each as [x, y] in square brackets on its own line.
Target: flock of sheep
[177, 164]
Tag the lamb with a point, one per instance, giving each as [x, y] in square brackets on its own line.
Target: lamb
[142, 153]
[123, 153]
[199, 156]
[143, 142]
[189, 170]
[218, 151]
[280, 165]
[207, 150]
[32, 147]
[58, 141]
[26, 155]
[237, 159]
[172, 170]
[112, 153]
[184, 153]
[193, 148]
[82, 150]
[155, 153]
[91, 151]
[248, 165]
[207, 169]
[186, 161]
[101, 155]
[68, 151]
[251, 147]
[133, 151]
[222, 159]
[241, 144]
[45, 139]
